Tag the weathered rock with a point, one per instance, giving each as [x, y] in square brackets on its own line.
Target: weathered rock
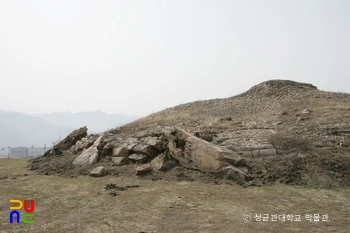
[99, 143]
[141, 158]
[131, 146]
[98, 172]
[195, 153]
[72, 149]
[120, 152]
[106, 150]
[120, 161]
[162, 163]
[88, 142]
[78, 146]
[72, 138]
[145, 149]
[107, 138]
[67, 142]
[89, 156]
[257, 150]
[158, 162]
[143, 169]
[155, 143]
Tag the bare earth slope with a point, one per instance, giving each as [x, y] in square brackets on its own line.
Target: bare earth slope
[287, 132]
[309, 128]
[255, 114]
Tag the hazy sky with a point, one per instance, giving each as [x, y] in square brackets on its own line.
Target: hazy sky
[139, 57]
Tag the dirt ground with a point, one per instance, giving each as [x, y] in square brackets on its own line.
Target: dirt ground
[313, 169]
[119, 203]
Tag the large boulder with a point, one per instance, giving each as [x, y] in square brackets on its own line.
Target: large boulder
[90, 155]
[68, 142]
[72, 138]
[195, 153]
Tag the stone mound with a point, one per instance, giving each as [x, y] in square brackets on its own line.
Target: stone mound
[279, 87]
[279, 131]
[158, 150]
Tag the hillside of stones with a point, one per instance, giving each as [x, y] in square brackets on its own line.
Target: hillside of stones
[278, 131]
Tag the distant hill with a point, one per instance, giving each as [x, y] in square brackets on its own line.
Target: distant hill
[20, 129]
[96, 121]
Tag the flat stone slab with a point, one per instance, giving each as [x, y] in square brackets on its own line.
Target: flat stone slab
[195, 153]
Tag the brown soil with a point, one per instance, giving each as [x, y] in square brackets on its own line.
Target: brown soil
[313, 147]
[132, 204]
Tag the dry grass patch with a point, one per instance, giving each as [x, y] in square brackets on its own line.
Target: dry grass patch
[83, 205]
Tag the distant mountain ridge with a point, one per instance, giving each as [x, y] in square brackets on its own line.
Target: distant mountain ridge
[96, 121]
[20, 129]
